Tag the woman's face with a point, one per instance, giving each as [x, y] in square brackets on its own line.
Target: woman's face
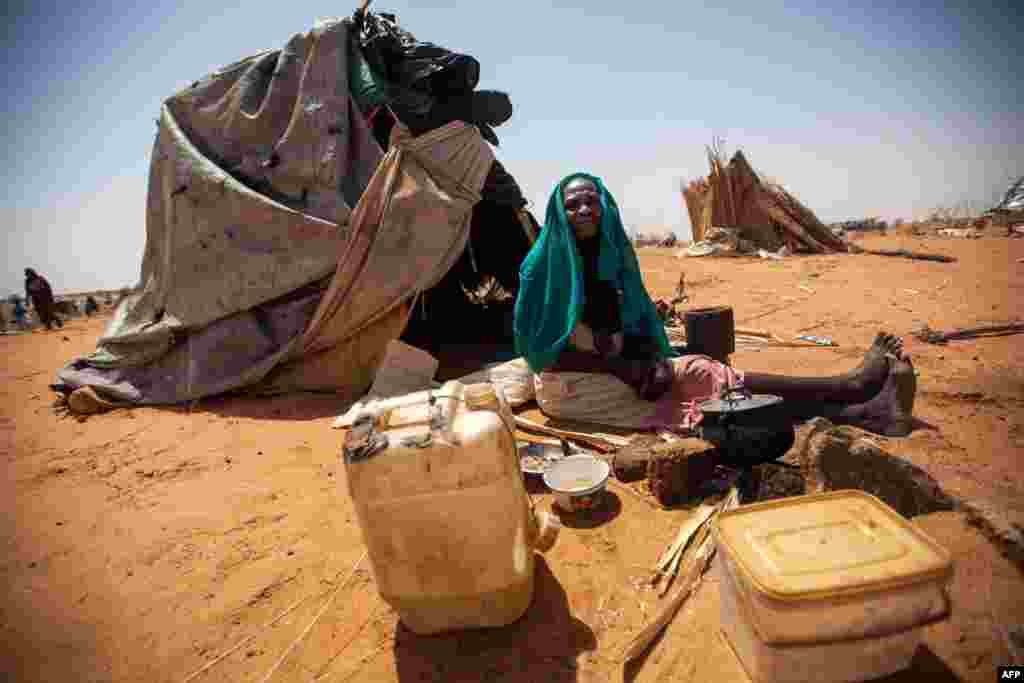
[582, 207]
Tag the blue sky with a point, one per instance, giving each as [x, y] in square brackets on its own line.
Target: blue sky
[858, 108]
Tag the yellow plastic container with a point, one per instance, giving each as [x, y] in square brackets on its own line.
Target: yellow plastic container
[832, 587]
[488, 396]
[445, 516]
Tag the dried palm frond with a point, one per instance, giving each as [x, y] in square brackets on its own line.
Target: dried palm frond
[698, 558]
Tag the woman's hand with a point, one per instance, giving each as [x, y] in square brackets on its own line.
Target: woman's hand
[650, 379]
[658, 380]
[604, 343]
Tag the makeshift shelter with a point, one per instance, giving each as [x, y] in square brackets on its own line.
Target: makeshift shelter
[1011, 208]
[762, 214]
[284, 248]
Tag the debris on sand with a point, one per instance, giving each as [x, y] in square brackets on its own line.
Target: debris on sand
[930, 336]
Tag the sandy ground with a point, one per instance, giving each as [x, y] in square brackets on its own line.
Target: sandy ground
[139, 545]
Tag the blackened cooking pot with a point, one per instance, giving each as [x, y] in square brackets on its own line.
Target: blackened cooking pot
[748, 429]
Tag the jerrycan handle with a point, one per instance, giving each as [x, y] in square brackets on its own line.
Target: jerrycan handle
[436, 414]
[362, 440]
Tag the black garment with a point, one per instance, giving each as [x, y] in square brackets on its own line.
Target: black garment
[482, 108]
[601, 307]
[501, 188]
[37, 289]
[600, 298]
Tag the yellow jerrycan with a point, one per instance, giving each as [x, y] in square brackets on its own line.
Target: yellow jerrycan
[448, 524]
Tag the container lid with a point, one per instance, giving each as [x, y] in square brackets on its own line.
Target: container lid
[739, 404]
[830, 544]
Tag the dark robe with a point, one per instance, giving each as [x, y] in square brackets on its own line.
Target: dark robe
[38, 290]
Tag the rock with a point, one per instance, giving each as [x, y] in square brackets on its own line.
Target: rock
[678, 470]
[630, 462]
[994, 522]
[774, 481]
[832, 458]
[826, 458]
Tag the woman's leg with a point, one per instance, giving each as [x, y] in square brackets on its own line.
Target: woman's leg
[877, 396]
[856, 386]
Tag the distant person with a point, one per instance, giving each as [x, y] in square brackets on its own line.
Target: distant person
[90, 306]
[37, 289]
[19, 315]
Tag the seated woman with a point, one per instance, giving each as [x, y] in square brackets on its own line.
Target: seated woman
[588, 329]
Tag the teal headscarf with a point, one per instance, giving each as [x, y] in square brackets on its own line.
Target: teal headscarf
[551, 292]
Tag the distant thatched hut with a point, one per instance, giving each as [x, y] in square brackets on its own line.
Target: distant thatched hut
[763, 213]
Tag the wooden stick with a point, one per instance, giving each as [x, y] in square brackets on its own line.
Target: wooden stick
[696, 565]
[984, 331]
[768, 204]
[309, 627]
[676, 558]
[916, 255]
[686, 532]
[543, 441]
[753, 332]
[605, 442]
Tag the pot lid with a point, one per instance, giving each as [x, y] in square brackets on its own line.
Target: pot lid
[739, 403]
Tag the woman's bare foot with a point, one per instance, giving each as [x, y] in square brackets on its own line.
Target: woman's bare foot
[855, 387]
[890, 412]
[869, 377]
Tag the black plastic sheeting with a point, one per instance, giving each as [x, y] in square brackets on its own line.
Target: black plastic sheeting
[426, 85]
[395, 53]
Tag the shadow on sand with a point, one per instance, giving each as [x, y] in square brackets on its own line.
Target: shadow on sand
[542, 646]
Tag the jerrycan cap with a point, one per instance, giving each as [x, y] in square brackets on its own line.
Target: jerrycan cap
[363, 440]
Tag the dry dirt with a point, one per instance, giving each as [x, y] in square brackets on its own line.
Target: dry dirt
[140, 545]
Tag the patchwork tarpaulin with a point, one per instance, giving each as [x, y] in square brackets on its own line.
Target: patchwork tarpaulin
[278, 237]
[408, 230]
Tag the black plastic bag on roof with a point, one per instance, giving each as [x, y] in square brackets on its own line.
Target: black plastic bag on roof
[395, 53]
[482, 108]
[370, 87]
